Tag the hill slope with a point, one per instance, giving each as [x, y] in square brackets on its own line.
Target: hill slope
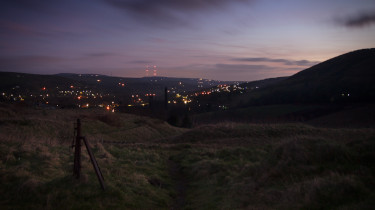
[148, 164]
[349, 77]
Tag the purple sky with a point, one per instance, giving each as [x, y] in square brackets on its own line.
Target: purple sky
[213, 39]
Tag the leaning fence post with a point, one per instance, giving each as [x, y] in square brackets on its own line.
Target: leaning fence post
[94, 163]
[77, 156]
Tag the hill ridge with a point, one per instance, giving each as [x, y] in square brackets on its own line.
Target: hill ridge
[351, 74]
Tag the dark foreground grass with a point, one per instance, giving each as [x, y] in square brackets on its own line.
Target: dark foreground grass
[283, 178]
[39, 179]
[308, 168]
[36, 161]
[223, 166]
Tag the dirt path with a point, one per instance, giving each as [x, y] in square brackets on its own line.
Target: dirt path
[180, 184]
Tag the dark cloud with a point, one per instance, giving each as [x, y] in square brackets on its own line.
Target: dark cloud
[39, 18]
[36, 5]
[10, 26]
[167, 11]
[305, 63]
[28, 8]
[239, 68]
[284, 61]
[240, 72]
[27, 63]
[360, 20]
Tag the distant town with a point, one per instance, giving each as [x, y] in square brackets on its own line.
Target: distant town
[110, 93]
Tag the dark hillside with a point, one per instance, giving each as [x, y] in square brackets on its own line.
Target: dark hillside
[334, 93]
[346, 78]
[33, 82]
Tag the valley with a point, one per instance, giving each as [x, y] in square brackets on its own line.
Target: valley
[295, 142]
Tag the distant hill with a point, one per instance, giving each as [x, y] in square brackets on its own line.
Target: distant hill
[346, 78]
[34, 82]
[230, 96]
[65, 88]
[142, 85]
[339, 92]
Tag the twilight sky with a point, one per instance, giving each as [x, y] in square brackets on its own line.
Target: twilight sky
[213, 39]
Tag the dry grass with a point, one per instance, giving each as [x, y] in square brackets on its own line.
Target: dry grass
[286, 166]
[36, 160]
[222, 166]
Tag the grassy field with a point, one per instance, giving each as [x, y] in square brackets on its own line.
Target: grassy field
[148, 164]
[256, 114]
[319, 115]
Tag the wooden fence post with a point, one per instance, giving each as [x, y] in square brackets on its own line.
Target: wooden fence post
[94, 163]
[77, 156]
[77, 152]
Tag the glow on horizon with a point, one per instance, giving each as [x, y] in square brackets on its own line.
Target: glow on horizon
[224, 40]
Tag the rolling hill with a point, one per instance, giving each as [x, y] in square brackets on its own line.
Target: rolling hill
[345, 78]
[336, 93]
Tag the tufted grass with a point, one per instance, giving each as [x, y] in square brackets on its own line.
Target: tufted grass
[157, 166]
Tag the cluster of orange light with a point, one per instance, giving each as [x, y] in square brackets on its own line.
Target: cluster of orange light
[203, 93]
[222, 85]
[151, 94]
[186, 101]
[121, 84]
[110, 109]
[85, 106]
